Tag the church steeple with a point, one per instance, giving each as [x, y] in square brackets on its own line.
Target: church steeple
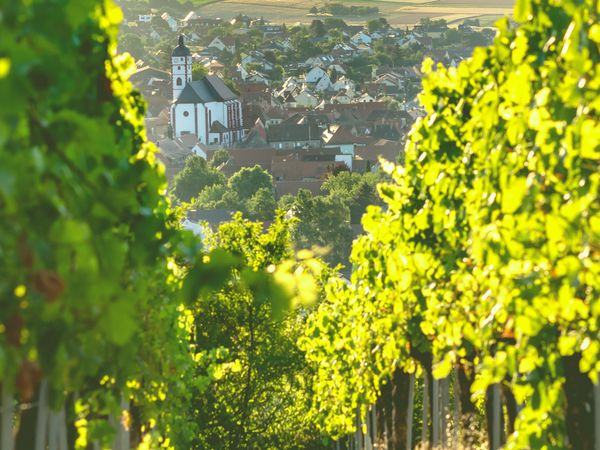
[181, 67]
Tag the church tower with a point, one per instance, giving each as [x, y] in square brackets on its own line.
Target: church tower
[181, 68]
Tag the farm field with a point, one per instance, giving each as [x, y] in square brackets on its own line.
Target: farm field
[396, 12]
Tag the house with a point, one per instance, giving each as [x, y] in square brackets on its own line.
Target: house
[172, 154]
[364, 48]
[342, 137]
[252, 57]
[336, 69]
[272, 29]
[343, 97]
[388, 150]
[361, 38]
[171, 22]
[289, 136]
[248, 157]
[343, 84]
[213, 217]
[145, 18]
[189, 19]
[307, 164]
[195, 228]
[365, 98]
[323, 84]
[224, 44]
[148, 79]
[321, 60]
[315, 74]
[305, 98]
[206, 108]
[203, 23]
[257, 77]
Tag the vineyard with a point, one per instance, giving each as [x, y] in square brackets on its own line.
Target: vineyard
[471, 319]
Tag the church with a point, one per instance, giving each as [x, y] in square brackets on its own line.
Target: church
[206, 108]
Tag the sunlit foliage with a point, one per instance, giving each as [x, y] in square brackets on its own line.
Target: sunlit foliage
[487, 256]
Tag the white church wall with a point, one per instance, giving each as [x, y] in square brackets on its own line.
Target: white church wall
[184, 119]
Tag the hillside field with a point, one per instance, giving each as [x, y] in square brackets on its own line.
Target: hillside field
[396, 12]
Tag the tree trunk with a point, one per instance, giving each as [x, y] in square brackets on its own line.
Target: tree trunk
[380, 418]
[27, 427]
[579, 392]
[400, 399]
[511, 408]
[465, 382]
[387, 396]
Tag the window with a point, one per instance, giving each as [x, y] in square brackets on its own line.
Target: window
[185, 114]
[179, 82]
[178, 67]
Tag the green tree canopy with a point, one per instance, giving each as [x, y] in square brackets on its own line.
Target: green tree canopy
[248, 181]
[484, 258]
[195, 176]
[259, 397]
[355, 190]
[261, 206]
[322, 222]
[198, 71]
[219, 158]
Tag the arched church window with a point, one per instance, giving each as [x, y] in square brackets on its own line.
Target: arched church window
[179, 82]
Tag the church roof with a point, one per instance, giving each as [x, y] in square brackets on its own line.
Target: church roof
[181, 49]
[209, 89]
[218, 127]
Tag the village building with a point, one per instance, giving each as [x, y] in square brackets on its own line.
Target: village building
[206, 108]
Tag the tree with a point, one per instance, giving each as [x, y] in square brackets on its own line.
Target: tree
[317, 28]
[259, 398]
[132, 44]
[248, 181]
[219, 158]
[482, 258]
[86, 235]
[261, 206]
[198, 71]
[323, 222]
[334, 23]
[376, 25]
[357, 191]
[452, 36]
[195, 176]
